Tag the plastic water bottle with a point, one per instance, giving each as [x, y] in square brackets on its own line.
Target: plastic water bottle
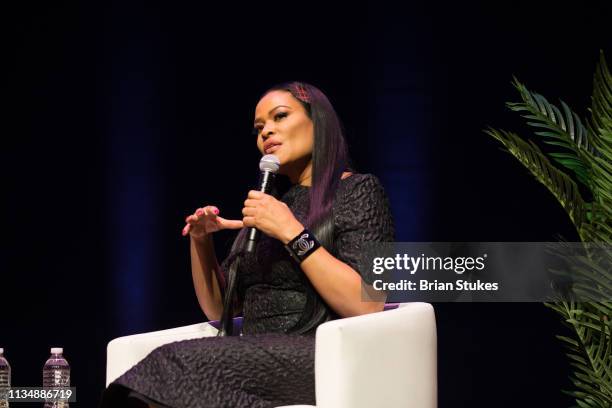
[56, 374]
[5, 380]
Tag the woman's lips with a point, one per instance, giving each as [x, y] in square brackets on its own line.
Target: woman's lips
[272, 148]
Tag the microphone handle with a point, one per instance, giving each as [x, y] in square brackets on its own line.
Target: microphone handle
[267, 177]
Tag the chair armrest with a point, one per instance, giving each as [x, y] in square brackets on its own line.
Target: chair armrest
[384, 359]
[123, 353]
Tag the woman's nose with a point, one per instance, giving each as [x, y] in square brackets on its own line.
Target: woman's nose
[266, 133]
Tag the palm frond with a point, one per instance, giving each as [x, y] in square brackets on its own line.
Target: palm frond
[559, 129]
[591, 353]
[558, 183]
[601, 101]
[598, 225]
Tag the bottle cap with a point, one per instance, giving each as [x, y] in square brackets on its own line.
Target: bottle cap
[57, 350]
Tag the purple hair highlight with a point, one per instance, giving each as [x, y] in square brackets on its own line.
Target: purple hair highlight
[330, 157]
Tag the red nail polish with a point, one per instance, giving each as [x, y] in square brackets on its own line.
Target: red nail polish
[216, 211]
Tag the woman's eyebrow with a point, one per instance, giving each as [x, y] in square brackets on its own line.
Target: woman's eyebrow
[257, 120]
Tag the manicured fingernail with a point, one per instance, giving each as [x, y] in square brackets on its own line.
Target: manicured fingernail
[199, 212]
[216, 211]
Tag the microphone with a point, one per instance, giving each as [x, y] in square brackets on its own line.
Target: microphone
[268, 165]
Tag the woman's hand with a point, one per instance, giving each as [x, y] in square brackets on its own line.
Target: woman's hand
[205, 221]
[270, 216]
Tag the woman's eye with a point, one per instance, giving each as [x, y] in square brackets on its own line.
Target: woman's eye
[280, 115]
[277, 117]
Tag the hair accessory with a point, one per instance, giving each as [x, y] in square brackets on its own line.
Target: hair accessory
[302, 246]
[301, 93]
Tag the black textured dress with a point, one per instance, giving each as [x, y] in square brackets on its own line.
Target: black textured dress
[265, 366]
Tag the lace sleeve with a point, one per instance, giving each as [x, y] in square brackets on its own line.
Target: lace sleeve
[362, 216]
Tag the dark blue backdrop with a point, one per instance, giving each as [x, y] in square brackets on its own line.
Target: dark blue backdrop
[125, 116]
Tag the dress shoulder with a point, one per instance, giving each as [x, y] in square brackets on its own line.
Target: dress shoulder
[362, 214]
[360, 184]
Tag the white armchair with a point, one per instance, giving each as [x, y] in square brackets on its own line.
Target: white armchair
[385, 359]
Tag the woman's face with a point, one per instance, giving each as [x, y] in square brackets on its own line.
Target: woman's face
[284, 129]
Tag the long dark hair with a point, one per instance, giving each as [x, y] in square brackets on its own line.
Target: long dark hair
[330, 158]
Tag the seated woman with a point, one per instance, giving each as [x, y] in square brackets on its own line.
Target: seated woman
[283, 297]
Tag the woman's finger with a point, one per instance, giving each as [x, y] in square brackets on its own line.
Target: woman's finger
[230, 224]
[186, 229]
[248, 221]
[192, 219]
[249, 211]
[249, 202]
[256, 194]
[211, 210]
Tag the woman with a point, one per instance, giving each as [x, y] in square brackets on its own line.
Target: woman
[283, 290]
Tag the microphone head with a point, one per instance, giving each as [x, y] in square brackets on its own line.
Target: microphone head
[269, 163]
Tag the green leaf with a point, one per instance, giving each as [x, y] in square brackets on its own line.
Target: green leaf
[557, 182]
[543, 114]
[572, 342]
